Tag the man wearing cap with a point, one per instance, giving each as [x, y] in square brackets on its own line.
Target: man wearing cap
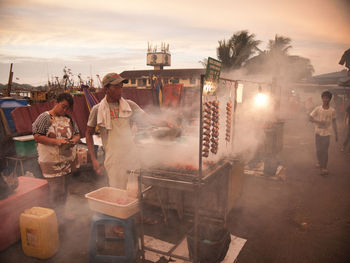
[113, 117]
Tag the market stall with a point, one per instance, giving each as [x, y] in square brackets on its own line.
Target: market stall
[205, 188]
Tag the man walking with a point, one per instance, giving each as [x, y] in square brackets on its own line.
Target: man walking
[324, 117]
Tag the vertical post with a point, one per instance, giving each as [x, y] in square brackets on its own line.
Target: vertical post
[7, 92]
[195, 229]
[197, 186]
[140, 197]
[233, 118]
[200, 126]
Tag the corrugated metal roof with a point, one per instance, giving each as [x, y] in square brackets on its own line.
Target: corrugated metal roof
[166, 73]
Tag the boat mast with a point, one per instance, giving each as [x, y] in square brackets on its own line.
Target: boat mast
[7, 91]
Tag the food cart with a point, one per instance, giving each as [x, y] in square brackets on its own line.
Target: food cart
[207, 189]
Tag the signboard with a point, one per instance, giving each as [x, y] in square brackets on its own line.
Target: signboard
[211, 79]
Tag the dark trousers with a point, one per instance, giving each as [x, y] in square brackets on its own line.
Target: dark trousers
[58, 192]
[347, 139]
[322, 145]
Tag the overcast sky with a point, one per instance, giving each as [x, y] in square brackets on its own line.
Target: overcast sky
[96, 37]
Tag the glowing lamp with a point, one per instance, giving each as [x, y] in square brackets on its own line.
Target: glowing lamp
[260, 99]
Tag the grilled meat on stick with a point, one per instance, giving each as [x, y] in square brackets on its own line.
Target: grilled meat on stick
[206, 126]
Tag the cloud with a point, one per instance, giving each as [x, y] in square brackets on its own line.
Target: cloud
[76, 30]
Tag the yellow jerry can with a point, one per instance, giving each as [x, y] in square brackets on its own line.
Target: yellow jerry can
[39, 232]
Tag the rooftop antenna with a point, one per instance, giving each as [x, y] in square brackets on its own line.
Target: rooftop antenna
[99, 81]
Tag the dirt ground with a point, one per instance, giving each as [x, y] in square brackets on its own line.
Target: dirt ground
[305, 218]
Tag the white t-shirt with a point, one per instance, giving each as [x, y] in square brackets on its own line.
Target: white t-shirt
[114, 110]
[326, 116]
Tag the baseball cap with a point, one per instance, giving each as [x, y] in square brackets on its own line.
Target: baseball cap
[113, 79]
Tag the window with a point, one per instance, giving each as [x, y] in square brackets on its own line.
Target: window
[141, 82]
[133, 81]
[175, 80]
[192, 81]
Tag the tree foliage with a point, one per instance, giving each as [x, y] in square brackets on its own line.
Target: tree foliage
[237, 50]
[276, 61]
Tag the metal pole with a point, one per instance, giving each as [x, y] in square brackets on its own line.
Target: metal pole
[140, 196]
[200, 127]
[233, 117]
[7, 92]
[197, 182]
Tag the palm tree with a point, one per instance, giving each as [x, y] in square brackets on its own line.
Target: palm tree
[279, 45]
[237, 50]
[224, 53]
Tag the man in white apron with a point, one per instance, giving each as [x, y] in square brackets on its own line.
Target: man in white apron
[113, 118]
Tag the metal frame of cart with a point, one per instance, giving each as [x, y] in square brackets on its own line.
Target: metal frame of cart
[195, 184]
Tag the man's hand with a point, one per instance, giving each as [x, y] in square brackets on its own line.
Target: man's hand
[60, 142]
[99, 169]
[74, 141]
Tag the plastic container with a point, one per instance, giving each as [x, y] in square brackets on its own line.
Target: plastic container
[8, 105]
[82, 155]
[132, 187]
[25, 145]
[39, 232]
[113, 201]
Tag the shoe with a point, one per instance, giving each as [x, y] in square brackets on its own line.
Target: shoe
[324, 171]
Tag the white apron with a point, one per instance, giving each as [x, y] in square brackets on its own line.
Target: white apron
[58, 160]
[121, 154]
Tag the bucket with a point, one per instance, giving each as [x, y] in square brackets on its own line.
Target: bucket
[25, 145]
[39, 232]
[213, 243]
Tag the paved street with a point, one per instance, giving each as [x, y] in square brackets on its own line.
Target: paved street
[304, 219]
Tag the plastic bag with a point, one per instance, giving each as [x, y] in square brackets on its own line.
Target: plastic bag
[133, 186]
